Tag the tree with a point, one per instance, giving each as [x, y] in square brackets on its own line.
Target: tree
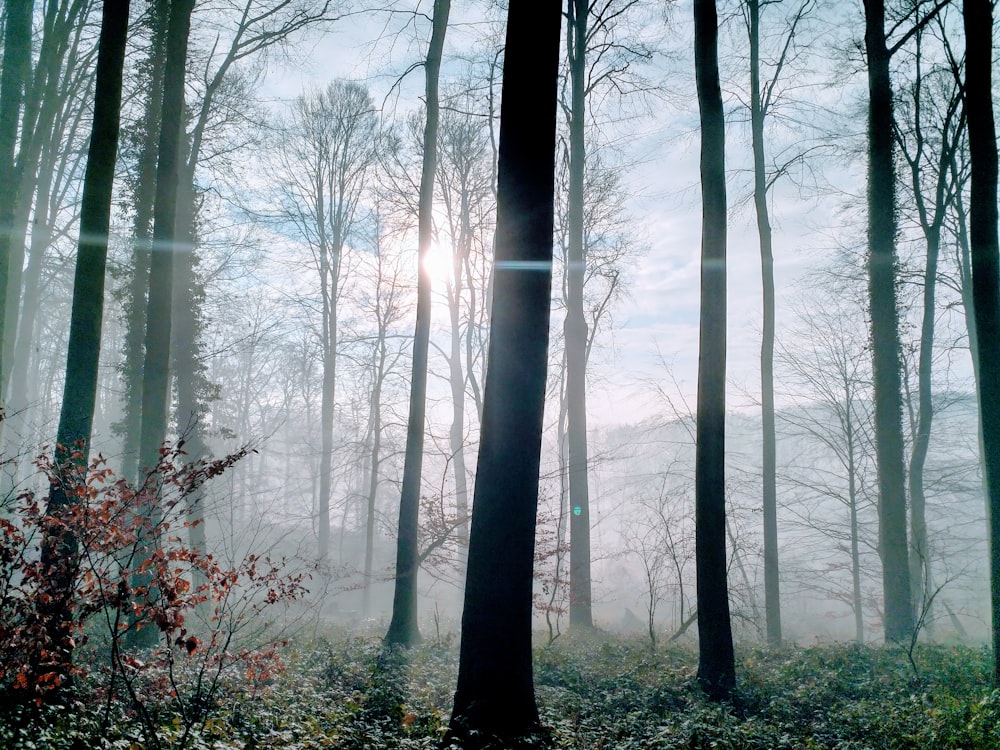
[16, 68]
[827, 360]
[494, 698]
[886, 355]
[716, 661]
[598, 64]
[143, 197]
[403, 627]
[59, 59]
[465, 183]
[80, 389]
[384, 306]
[928, 138]
[580, 614]
[978, 21]
[762, 97]
[156, 348]
[327, 160]
[156, 358]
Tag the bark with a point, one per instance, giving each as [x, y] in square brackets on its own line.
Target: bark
[885, 345]
[374, 459]
[772, 599]
[186, 304]
[143, 199]
[403, 628]
[716, 661]
[156, 361]
[931, 211]
[45, 97]
[580, 610]
[83, 351]
[978, 20]
[156, 357]
[13, 78]
[16, 68]
[494, 698]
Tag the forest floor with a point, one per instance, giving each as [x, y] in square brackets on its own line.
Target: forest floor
[601, 692]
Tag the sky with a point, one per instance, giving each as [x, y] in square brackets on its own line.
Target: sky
[655, 338]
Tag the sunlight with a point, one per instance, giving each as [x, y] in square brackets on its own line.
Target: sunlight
[437, 265]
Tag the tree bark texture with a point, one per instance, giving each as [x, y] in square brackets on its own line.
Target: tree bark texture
[403, 627]
[580, 611]
[156, 361]
[143, 200]
[13, 78]
[495, 699]
[885, 345]
[772, 598]
[716, 660]
[978, 19]
[80, 388]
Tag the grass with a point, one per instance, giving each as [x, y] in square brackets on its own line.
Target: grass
[601, 692]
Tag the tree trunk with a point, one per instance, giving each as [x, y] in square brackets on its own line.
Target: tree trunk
[580, 611]
[978, 19]
[185, 313]
[375, 420]
[403, 628]
[772, 598]
[62, 32]
[885, 332]
[495, 696]
[143, 199]
[80, 388]
[716, 661]
[13, 78]
[156, 358]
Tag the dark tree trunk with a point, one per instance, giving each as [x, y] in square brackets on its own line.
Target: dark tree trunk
[772, 598]
[156, 361]
[44, 98]
[580, 614]
[143, 199]
[156, 357]
[716, 661]
[978, 18]
[80, 388]
[189, 375]
[885, 332]
[13, 77]
[403, 628]
[495, 698]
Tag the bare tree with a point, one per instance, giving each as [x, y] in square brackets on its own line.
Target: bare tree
[327, 158]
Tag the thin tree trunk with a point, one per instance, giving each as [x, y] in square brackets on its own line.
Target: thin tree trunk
[580, 611]
[772, 598]
[375, 419]
[495, 695]
[403, 628]
[716, 661]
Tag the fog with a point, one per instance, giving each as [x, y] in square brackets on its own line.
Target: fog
[303, 325]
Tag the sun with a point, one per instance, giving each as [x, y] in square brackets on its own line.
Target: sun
[437, 265]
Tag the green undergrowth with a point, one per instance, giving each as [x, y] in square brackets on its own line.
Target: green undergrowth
[597, 692]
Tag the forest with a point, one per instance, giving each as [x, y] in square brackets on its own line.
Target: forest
[368, 380]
